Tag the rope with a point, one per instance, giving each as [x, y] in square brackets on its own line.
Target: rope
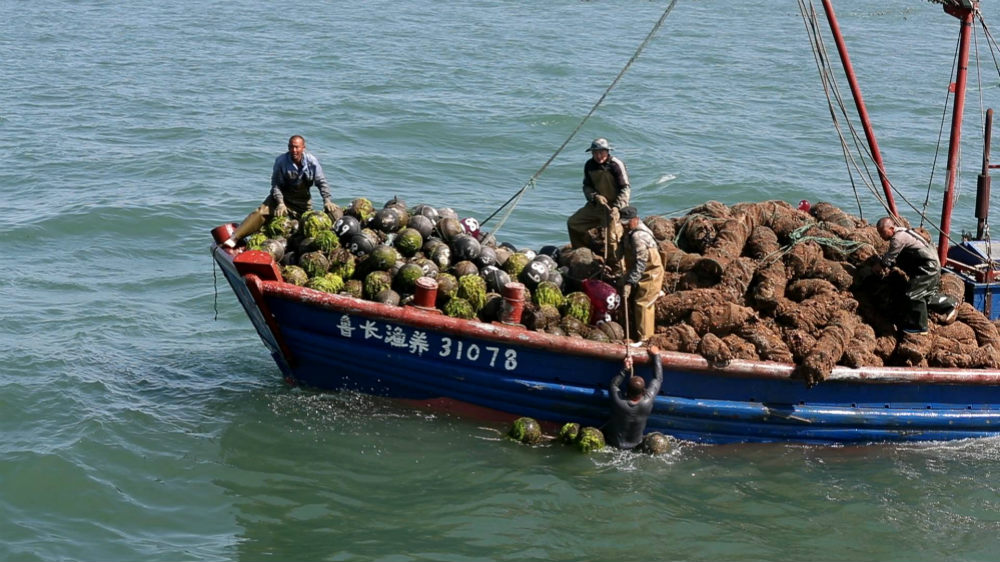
[797, 237]
[832, 91]
[990, 41]
[531, 182]
[937, 147]
[215, 286]
[829, 84]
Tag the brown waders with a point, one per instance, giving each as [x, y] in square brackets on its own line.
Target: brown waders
[256, 219]
[593, 215]
[645, 294]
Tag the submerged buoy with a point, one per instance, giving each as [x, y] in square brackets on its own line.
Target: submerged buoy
[569, 432]
[525, 430]
[590, 439]
[655, 443]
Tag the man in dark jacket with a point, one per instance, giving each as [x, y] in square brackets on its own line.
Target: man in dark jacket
[606, 188]
[912, 253]
[631, 409]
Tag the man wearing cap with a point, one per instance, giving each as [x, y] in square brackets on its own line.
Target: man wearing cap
[294, 172]
[606, 187]
[643, 279]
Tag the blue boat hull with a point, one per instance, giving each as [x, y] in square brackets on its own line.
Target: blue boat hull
[336, 342]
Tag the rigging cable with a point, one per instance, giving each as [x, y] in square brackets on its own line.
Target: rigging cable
[993, 48]
[823, 66]
[515, 199]
[937, 148]
[827, 78]
[829, 83]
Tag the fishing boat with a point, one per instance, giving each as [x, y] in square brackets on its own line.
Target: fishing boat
[502, 370]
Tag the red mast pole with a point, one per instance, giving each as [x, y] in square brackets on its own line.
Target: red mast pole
[860, 103]
[964, 13]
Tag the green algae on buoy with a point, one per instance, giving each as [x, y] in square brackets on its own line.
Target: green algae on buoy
[525, 430]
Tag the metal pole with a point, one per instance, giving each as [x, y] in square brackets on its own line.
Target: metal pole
[859, 102]
[983, 185]
[961, 75]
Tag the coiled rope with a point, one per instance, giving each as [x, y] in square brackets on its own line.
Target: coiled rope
[798, 236]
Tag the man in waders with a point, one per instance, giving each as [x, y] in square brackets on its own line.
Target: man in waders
[918, 258]
[606, 187]
[293, 174]
[643, 279]
[631, 409]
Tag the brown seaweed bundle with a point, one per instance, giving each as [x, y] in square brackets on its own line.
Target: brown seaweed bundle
[679, 337]
[677, 307]
[714, 350]
[767, 280]
[662, 227]
[830, 346]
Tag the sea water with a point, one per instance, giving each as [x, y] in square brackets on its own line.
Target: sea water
[141, 417]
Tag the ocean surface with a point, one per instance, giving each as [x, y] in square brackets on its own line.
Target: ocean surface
[141, 419]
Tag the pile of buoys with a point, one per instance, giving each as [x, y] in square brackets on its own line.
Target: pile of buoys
[379, 255]
[586, 439]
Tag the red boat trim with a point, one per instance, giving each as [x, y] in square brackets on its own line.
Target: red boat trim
[415, 317]
[254, 284]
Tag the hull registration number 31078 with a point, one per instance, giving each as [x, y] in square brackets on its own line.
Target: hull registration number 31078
[418, 342]
[473, 352]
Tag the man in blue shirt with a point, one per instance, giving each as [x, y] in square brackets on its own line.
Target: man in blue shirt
[294, 173]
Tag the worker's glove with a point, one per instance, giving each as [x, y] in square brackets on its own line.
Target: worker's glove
[601, 200]
[280, 210]
[615, 214]
[626, 292]
[329, 207]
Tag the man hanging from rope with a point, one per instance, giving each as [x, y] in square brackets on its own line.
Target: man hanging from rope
[630, 408]
[606, 187]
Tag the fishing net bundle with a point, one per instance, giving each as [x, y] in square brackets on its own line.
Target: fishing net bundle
[766, 281]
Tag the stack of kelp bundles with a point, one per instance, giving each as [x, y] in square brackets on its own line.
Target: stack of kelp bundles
[767, 281]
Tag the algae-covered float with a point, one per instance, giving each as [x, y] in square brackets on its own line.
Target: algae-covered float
[414, 352]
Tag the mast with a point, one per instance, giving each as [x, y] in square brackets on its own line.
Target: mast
[983, 185]
[859, 102]
[964, 11]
